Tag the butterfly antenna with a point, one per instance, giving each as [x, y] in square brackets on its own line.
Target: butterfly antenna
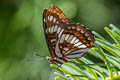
[40, 55]
[36, 54]
[32, 59]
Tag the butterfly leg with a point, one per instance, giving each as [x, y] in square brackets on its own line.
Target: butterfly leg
[59, 69]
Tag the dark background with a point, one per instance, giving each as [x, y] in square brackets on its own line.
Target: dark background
[21, 32]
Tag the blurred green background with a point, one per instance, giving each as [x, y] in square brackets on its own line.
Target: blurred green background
[21, 32]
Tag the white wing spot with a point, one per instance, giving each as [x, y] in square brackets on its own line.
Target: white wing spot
[69, 27]
[63, 20]
[44, 19]
[48, 17]
[55, 29]
[60, 32]
[86, 34]
[76, 41]
[82, 46]
[65, 48]
[77, 44]
[58, 29]
[54, 20]
[89, 38]
[52, 40]
[49, 29]
[67, 36]
[73, 27]
[51, 17]
[70, 38]
[82, 31]
[72, 41]
[52, 29]
[62, 38]
[78, 29]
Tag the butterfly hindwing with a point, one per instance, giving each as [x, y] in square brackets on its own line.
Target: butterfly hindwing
[75, 41]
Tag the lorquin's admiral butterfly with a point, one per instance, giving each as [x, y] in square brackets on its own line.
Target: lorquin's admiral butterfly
[65, 39]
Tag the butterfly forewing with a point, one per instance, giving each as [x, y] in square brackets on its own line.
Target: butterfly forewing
[65, 38]
[53, 20]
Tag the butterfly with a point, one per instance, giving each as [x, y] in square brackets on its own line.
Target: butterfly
[65, 38]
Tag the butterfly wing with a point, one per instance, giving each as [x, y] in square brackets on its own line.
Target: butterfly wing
[74, 41]
[65, 38]
[53, 22]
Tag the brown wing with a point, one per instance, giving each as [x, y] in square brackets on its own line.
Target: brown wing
[53, 21]
[74, 41]
[64, 37]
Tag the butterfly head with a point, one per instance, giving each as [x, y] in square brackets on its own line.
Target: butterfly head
[50, 60]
